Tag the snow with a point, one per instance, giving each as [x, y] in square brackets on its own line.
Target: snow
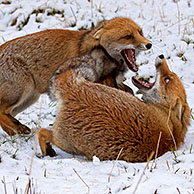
[170, 26]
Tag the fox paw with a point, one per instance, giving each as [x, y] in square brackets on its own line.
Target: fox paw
[50, 151]
[23, 129]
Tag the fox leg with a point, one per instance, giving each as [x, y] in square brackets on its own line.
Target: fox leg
[45, 137]
[13, 99]
[7, 130]
[12, 126]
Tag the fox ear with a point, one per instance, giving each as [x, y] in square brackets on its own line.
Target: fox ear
[99, 33]
[178, 109]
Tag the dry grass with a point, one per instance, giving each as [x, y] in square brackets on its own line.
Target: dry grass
[114, 162]
[143, 173]
[82, 180]
[170, 129]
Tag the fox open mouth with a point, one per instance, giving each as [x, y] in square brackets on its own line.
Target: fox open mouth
[142, 83]
[129, 57]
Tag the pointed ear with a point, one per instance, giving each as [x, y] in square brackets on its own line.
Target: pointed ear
[99, 32]
[178, 109]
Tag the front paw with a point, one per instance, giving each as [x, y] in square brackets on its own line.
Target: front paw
[50, 151]
[23, 129]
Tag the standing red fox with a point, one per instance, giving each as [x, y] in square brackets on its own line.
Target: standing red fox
[27, 63]
[94, 119]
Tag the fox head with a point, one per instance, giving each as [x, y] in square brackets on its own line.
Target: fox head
[167, 90]
[123, 39]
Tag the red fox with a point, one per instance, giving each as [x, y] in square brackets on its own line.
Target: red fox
[27, 63]
[98, 120]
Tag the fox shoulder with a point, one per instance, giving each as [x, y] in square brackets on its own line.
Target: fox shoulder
[70, 71]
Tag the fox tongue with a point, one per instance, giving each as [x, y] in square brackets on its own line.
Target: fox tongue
[130, 57]
[129, 53]
[141, 83]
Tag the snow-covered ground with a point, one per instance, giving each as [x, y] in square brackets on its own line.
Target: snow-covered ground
[169, 24]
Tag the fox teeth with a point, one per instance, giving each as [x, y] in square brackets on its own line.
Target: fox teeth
[129, 57]
[134, 56]
[146, 84]
[126, 56]
[130, 60]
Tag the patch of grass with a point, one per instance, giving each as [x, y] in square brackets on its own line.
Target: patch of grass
[168, 165]
[38, 20]
[135, 171]
[191, 148]
[174, 46]
[11, 145]
[183, 152]
[191, 171]
[37, 11]
[53, 11]
[184, 59]
[75, 18]
[117, 10]
[188, 41]
[175, 157]
[45, 172]
[3, 39]
[26, 171]
[156, 191]
[138, 92]
[14, 22]
[189, 3]
[99, 9]
[122, 166]
[182, 56]
[30, 188]
[9, 139]
[176, 170]
[23, 23]
[192, 114]
[83, 28]
[73, 24]
[49, 12]
[144, 62]
[178, 190]
[14, 154]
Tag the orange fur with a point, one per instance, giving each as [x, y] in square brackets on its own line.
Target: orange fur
[95, 119]
[27, 63]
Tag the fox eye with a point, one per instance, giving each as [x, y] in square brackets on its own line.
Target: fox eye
[166, 79]
[128, 37]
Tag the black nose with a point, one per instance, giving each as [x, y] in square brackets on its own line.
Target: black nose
[148, 46]
[161, 56]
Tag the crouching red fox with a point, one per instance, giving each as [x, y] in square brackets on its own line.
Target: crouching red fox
[27, 63]
[97, 120]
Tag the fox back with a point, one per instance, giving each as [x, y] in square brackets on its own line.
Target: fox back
[94, 119]
[27, 63]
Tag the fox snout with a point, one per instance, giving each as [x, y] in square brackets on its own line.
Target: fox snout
[159, 60]
[148, 46]
[161, 65]
[145, 46]
[142, 42]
